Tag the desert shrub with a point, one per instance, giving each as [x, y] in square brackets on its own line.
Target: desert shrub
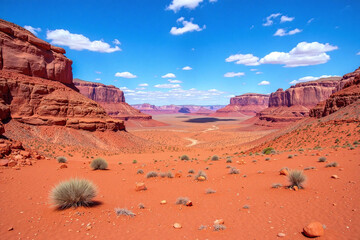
[202, 227]
[169, 175]
[215, 158]
[234, 171]
[322, 159]
[73, 193]
[124, 212]
[267, 150]
[290, 156]
[162, 174]
[309, 168]
[184, 157]
[201, 173]
[141, 206]
[191, 171]
[140, 171]
[228, 160]
[276, 185]
[355, 142]
[228, 166]
[151, 174]
[267, 159]
[332, 164]
[296, 178]
[219, 227]
[246, 207]
[61, 159]
[182, 201]
[134, 161]
[99, 164]
[210, 191]
[254, 161]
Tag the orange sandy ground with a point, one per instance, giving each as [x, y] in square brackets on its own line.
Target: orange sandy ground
[25, 206]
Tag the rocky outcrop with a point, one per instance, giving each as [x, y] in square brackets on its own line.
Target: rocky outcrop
[39, 101]
[349, 93]
[111, 99]
[295, 102]
[203, 111]
[22, 52]
[184, 110]
[245, 104]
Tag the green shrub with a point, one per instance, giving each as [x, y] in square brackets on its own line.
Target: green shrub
[134, 161]
[267, 150]
[215, 158]
[99, 164]
[73, 193]
[290, 156]
[61, 159]
[296, 178]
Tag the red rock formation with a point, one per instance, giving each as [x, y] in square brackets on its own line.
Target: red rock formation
[111, 99]
[203, 111]
[245, 104]
[349, 94]
[22, 52]
[295, 103]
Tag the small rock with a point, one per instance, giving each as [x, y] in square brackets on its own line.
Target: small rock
[284, 172]
[4, 162]
[189, 203]
[163, 202]
[335, 176]
[177, 225]
[12, 163]
[201, 178]
[63, 166]
[178, 175]
[314, 229]
[296, 188]
[281, 234]
[140, 187]
[25, 154]
[219, 221]
[10, 229]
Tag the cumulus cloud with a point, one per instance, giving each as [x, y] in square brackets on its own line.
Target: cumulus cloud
[169, 75]
[282, 32]
[176, 5]
[270, 19]
[253, 69]
[167, 85]
[78, 41]
[263, 83]
[187, 68]
[245, 59]
[259, 73]
[174, 81]
[304, 54]
[233, 74]
[143, 85]
[310, 78]
[97, 79]
[32, 29]
[126, 90]
[116, 42]
[125, 75]
[358, 53]
[188, 26]
[286, 19]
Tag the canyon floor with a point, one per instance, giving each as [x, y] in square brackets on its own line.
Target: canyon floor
[249, 206]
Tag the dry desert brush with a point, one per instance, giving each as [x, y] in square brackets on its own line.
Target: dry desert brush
[296, 178]
[215, 158]
[99, 164]
[124, 212]
[332, 164]
[201, 174]
[61, 159]
[184, 157]
[151, 174]
[182, 201]
[73, 193]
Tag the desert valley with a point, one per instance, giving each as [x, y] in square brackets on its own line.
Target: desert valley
[78, 161]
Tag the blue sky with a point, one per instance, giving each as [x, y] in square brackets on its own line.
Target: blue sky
[226, 47]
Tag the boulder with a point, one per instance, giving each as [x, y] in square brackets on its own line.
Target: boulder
[140, 187]
[314, 229]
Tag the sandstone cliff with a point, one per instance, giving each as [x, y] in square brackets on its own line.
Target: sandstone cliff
[349, 93]
[245, 104]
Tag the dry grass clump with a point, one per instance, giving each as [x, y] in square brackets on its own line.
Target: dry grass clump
[276, 185]
[184, 157]
[166, 174]
[234, 171]
[61, 159]
[151, 174]
[322, 159]
[99, 164]
[124, 212]
[296, 178]
[191, 171]
[182, 201]
[140, 171]
[73, 193]
[141, 206]
[210, 191]
[332, 164]
[309, 168]
[215, 158]
[228, 160]
[219, 227]
[201, 174]
[290, 156]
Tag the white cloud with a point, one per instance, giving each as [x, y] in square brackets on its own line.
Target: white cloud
[167, 85]
[212, 1]
[310, 78]
[32, 29]
[78, 41]
[97, 79]
[358, 53]
[263, 83]
[233, 74]
[125, 75]
[304, 54]
[126, 90]
[116, 42]
[187, 68]
[269, 19]
[246, 59]
[97, 72]
[310, 20]
[282, 32]
[259, 73]
[187, 27]
[253, 69]
[286, 19]
[169, 75]
[174, 81]
[176, 5]
[143, 85]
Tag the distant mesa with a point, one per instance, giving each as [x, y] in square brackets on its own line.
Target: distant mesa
[184, 110]
[173, 109]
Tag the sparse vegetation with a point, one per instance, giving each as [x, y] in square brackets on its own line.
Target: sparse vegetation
[322, 159]
[73, 193]
[151, 174]
[246, 207]
[215, 158]
[309, 168]
[191, 171]
[267, 150]
[210, 191]
[141, 206]
[276, 185]
[140, 171]
[234, 171]
[99, 164]
[182, 201]
[296, 178]
[184, 157]
[228, 160]
[332, 164]
[61, 159]
[219, 227]
[124, 212]
[290, 156]
[201, 174]
[134, 161]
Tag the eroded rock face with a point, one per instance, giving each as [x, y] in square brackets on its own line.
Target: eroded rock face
[349, 94]
[247, 104]
[22, 52]
[295, 102]
[39, 101]
[111, 99]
